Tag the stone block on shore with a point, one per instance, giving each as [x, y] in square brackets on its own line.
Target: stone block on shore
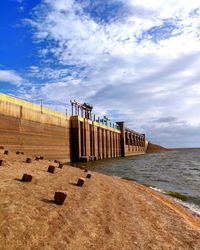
[88, 176]
[27, 178]
[6, 152]
[80, 182]
[51, 169]
[60, 165]
[60, 197]
[28, 160]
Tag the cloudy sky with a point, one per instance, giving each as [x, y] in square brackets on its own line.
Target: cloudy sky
[134, 60]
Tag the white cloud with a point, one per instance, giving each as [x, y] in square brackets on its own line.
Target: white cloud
[141, 65]
[10, 76]
[167, 9]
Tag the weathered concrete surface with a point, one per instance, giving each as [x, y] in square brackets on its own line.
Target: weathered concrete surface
[34, 132]
[39, 131]
[92, 140]
[132, 143]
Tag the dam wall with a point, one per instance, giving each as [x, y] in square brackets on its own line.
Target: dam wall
[93, 141]
[132, 143]
[28, 128]
[37, 130]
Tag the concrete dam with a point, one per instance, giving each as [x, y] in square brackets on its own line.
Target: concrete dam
[37, 130]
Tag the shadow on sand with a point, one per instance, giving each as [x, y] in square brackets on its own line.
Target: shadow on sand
[49, 201]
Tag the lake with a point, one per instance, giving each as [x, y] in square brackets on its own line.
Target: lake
[172, 171]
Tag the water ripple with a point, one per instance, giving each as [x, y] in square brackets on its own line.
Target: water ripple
[174, 171]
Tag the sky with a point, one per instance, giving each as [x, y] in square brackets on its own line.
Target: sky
[136, 61]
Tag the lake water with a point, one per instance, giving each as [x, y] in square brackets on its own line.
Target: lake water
[174, 171]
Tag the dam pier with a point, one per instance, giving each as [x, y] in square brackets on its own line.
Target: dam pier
[37, 130]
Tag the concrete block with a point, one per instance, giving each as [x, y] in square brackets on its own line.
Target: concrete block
[37, 158]
[60, 165]
[51, 169]
[27, 178]
[85, 170]
[41, 157]
[80, 182]
[88, 176]
[22, 153]
[1, 162]
[6, 152]
[17, 153]
[28, 160]
[60, 197]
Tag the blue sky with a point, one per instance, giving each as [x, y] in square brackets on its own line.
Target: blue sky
[133, 60]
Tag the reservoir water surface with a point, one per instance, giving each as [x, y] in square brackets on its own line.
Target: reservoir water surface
[172, 171]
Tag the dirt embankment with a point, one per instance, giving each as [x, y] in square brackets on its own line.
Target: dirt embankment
[105, 213]
[154, 148]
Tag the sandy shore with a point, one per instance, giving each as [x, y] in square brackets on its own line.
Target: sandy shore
[106, 213]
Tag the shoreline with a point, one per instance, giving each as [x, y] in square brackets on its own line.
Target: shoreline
[106, 213]
[178, 197]
[192, 207]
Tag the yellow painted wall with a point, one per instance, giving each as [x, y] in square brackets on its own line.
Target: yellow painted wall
[24, 110]
[31, 106]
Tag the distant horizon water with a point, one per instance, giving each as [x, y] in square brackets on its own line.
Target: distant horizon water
[176, 173]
